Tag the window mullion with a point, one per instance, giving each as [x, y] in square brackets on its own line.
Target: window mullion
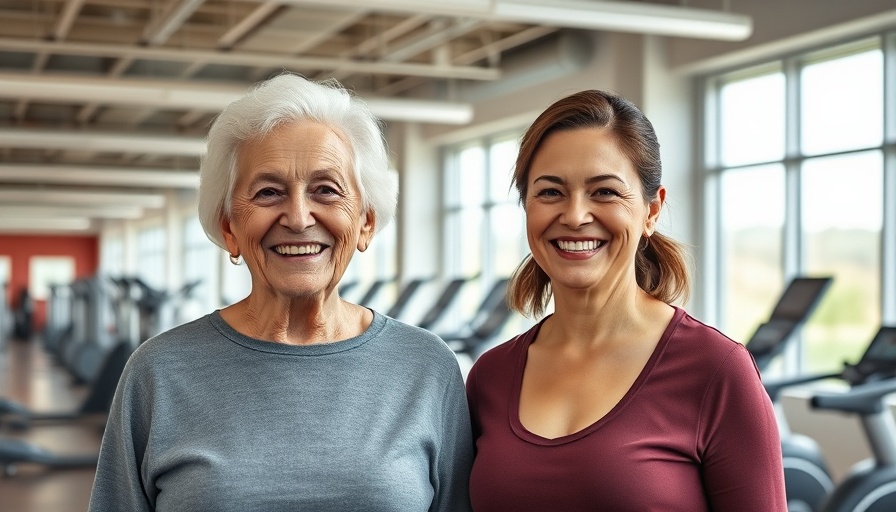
[888, 237]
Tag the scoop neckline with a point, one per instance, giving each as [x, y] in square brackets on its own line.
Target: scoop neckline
[522, 357]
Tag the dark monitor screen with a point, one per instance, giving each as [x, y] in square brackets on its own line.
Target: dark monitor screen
[882, 347]
[770, 336]
[800, 298]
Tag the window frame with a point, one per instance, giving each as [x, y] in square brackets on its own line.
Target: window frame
[794, 251]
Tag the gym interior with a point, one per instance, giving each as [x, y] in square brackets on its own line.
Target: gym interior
[777, 125]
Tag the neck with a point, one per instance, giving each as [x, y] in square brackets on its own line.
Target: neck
[298, 321]
[602, 317]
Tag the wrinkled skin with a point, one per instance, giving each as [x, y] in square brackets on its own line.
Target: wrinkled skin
[296, 219]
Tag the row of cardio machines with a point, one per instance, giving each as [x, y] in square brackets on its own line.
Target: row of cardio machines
[78, 337]
[93, 326]
[869, 486]
[475, 334]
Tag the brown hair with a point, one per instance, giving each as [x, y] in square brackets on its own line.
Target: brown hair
[660, 263]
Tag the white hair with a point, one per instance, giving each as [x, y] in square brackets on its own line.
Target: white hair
[284, 99]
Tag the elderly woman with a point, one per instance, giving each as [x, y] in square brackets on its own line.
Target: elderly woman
[291, 399]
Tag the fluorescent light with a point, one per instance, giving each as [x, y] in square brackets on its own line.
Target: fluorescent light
[637, 17]
[101, 142]
[97, 211]
[208, 97]
[157, 178]
[629, 17]
[45, 224]
[420, 110]
[73, 197]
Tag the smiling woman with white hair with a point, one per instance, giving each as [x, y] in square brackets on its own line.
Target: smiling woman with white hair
[292, 398]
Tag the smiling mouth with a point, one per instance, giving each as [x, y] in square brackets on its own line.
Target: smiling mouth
[298, 250]
[579, 245]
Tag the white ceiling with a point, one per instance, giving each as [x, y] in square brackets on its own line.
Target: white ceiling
[106, 102]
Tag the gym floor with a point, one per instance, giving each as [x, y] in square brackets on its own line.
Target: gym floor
[29, 376]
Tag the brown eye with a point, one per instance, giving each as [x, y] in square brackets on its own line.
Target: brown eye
[266, 193]
[548, 192]
[325, 190]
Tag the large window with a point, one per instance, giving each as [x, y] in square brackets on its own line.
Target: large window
[377, 263]
[202, 260]
[484, 226]
[151, 267]
[112, 255]
[797, 157]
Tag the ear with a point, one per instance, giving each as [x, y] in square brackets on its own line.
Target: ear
[367, 230]
[653, 211]
[229, 237]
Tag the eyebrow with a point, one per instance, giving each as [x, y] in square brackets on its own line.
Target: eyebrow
[591, 180]
[331, 173]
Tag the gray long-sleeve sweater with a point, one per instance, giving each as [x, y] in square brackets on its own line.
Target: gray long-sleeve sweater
[206, 419]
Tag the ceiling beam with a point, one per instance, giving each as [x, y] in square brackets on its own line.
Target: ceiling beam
[101, 142]
[69, 12]
[636, 17]
[247, 24]
[175, 14]
[102, 176]
[212, 97]
[239, 58]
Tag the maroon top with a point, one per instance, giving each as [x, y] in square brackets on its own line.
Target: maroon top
[695, 432]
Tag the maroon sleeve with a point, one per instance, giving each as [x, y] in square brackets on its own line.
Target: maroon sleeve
[472, 402]
[739, 441]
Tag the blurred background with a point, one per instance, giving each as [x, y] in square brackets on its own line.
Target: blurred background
[777, 122]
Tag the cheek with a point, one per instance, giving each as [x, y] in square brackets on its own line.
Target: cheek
[241, 218]
[537, 220]
[345, 228]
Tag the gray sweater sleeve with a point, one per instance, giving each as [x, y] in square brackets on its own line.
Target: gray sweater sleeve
[455, 458]
[117, 484]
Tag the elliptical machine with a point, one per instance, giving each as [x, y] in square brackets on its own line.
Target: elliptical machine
[810, 487]
[870, 485]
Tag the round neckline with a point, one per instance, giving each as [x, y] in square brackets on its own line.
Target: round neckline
[318, 349]
[516, 391]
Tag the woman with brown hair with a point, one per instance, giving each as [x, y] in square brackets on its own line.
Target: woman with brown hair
[618, 399]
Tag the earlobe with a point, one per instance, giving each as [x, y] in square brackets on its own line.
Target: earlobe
[229, 238]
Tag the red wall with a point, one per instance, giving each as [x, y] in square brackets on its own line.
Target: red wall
[20, 248]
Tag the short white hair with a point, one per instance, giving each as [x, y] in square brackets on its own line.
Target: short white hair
[289, 98]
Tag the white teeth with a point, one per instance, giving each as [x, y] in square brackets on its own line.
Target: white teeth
[298, 249]
[579, 246]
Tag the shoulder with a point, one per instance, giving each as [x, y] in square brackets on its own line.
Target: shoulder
[181, 343]
[502, 358]
[410, 341]
[688, 329]
[708, 347]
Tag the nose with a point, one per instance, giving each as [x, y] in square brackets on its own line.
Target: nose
[577, 212]
[298, 213]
